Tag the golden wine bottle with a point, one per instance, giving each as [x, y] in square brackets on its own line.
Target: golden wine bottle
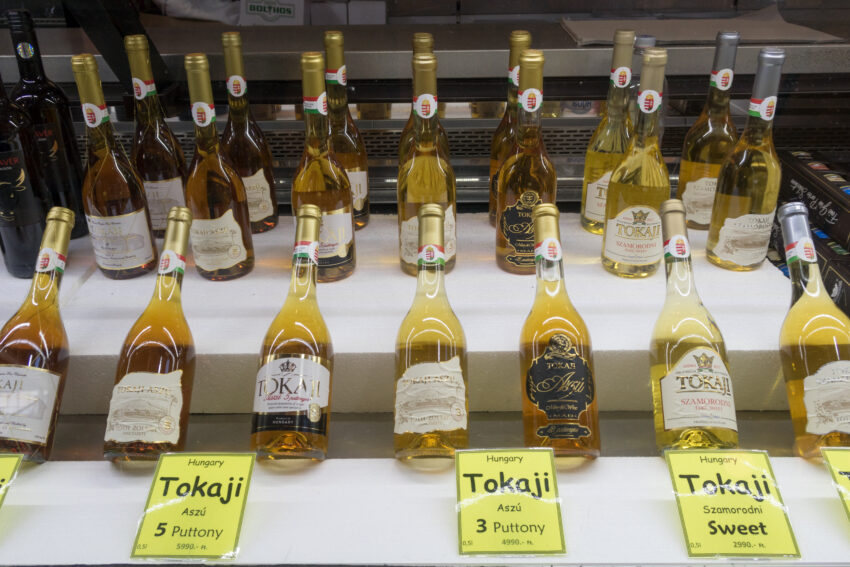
[642, 43]
[692, 398]
[526, 177]
[156, 153]
[149, 408]
[243, 142]
[559, 408]
[34, 351]
[431, 402]
[610, 139]
[321, 180]
[221, 227]
[632, 244]
[426, 176]
[345, 140]
[113, 193]
[814, 346]
[748, 182]
[710, 139]
[292, 396]
[505, 134]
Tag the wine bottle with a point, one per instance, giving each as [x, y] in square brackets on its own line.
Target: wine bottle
[221, 228]
[526, 177]
[431, 400]
[292, 396]
[345, 140]
[321, 180]
[34, 351]
[156, 153]
[814, 345]
[149, 408]
[23, 197]
[711, 137]
[611, 137]
[47, 106]
[642, 43]
[559, 408]
[426, 176]
[748, 182]
[505, 134]
[692, 398]
[632, 245]
[113, 193]
[243, 142]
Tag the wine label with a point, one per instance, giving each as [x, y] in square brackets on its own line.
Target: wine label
[316, 105]
[431, 254]
[621, 77]
[237, 86]
[162, 196]
[634, 237]
[826, 395]
[94, 115]
[531, 99]
[431, 396]
[306, 250]
[359, 181]
[258, 193]
[27, 397]
[217, 243]
[549, 249]
[142, 88]
[170, 261]
[145, 406]
[48, 138]
[697, 392]
[743, 240]
[336, 76]
[648, 101]
[763, 108]
[409, 237]
[803, 249]
[25, 50]
[425, 105]
[121, 242]
[560, 383]
[722, 79]
[49, 260]
[291, 394]
[203, 114]
[677, 246]
[513, 75]
[597, 197]
[518, 229]
[698, 198]
[19, 205]
[336, 237]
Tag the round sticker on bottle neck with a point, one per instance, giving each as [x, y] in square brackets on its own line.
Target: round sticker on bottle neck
[316, 105]
[337, 76]
[803, 249]
[513, 75]
[531, 100]
[142, 89]
[425, 105]
[94, 115]
[649, 101]
[431, 254]
[203, 114]
[763, 108]
[677, 246]
[171, 261]
[306, 250]
[549, 249]
[621, 77]
[50, 260]
[237, 85]
[25, 50]
[722, 79]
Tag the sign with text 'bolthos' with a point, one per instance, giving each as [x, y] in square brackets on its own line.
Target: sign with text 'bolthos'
[9, 465]
[838, 461]
[730, 505]
[195, 506]
[507, 502]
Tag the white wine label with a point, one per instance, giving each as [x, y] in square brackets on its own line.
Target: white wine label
[336, 236]
[763, 108]
[432, 254]
[121, 242]
[621, 77]
[337, 76]
[50, 260]
[25, 50]
[258, 194]
[217, 243]
[677, 246]
[531, 100]
[146, 407]
[634, 237]
[237, 86]
[203, 114]
[359, 181]
[698, 198]
[431, 396]
[27, 397]
[94, 115]
[425, 105]
[549, 249]
[744, 240]
[803, 249]
[292, 394]
[162, 196]
[597, 197]
[170, 261]
[306, 250]
[722, 79]
[409, 237]
[826, 395]
[697, 392]
[316, 105]
[513, 75]
[142, 89]
[649, 101]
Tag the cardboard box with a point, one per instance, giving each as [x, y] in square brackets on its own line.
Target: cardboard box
[367, 12]
[328, 13]
[274, 12]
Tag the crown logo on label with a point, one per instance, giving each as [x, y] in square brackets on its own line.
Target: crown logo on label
[552, 249]
[90, 117]
[429, 253]
[44, 261]
[621, 78]
[532, 100]
[640, 216]
[681, 248]
[809, 251]
[768, 110]
[288, 366]
[648, 102]
[704, 362]
[426, 107]
[724, 79]
[137, 90]
[164, 263]
[237, 87]
[201, 115]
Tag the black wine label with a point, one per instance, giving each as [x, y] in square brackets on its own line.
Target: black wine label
[518, 229]
[48, 140]
[19, 205]
[55, 167]
[301, 422]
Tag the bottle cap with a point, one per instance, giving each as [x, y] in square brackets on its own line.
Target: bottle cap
[652, 73]
[88, 79]
[623, 42]
[198, 76]
[179, 221]
[61, 214]
[57, 232]
[334, 49]
[545, 217]
[424, 74]
[423, 42]
[794, 220]
[531, 69]
[520, 40]
[643, 41]
[312, 74]
[673, 219]
[308, 220]
[431, 218]
[726, 50]
[232, 46]
[231, 39]
[136, 42]
[768, 73]
[19, 20]
[138, 55]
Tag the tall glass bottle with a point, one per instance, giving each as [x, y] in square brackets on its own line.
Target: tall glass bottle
[526, 177]
[692, 395]
[711, 137]
[292, 396]
[642, 43]
[221, 228]
[345, 139]
[321, 180]
[156, 154]
[23, 197]
[611, 138]
[431, 400]
[149, 408]
[34, 351]
[47, 106]
[814, 346]
[113, 193]
[632, 244]
[244, 144]
[505, 134]
[748, 183]
[559, 407]
[426, 176]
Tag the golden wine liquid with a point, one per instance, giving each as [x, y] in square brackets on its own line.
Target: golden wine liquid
[351, 154]
[697, 184]
[405, 144]
[598, 167]
[500, 148]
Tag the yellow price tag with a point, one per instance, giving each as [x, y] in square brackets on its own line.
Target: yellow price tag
[508, 502]
[730, 504]
[195, 506]
[9, 465]
[838, 461]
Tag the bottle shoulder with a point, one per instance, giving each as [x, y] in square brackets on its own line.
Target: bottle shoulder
[643, 167]
[431, 320]
[709, 137]
[815, 320]
[298, 328]
[321, 172]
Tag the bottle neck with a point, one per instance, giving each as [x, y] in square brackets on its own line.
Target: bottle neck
[316, 132]
[757, 130]
[680, 278]
[528, 127]
[206, 138]
[617, 103]
[30, 65]
[425, 130]
[168, 288]
[805, 280]
[550, 279]
[430, 282]
[44, 291]
[337, 103]
[238, 108]
[302, 284]
[646, 129]
[100, 141]
[149, 110]
[717, 102]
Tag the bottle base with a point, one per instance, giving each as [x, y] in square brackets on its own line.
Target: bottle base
[696, 226]
[137, 452]
[327, 275]
[727, 265]
[31, 453]
[231, 273]
[697, 438]
[264, 225]
[629, 270]
[361, 219]
[592, 226]
[808, 446]
[129, 273]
